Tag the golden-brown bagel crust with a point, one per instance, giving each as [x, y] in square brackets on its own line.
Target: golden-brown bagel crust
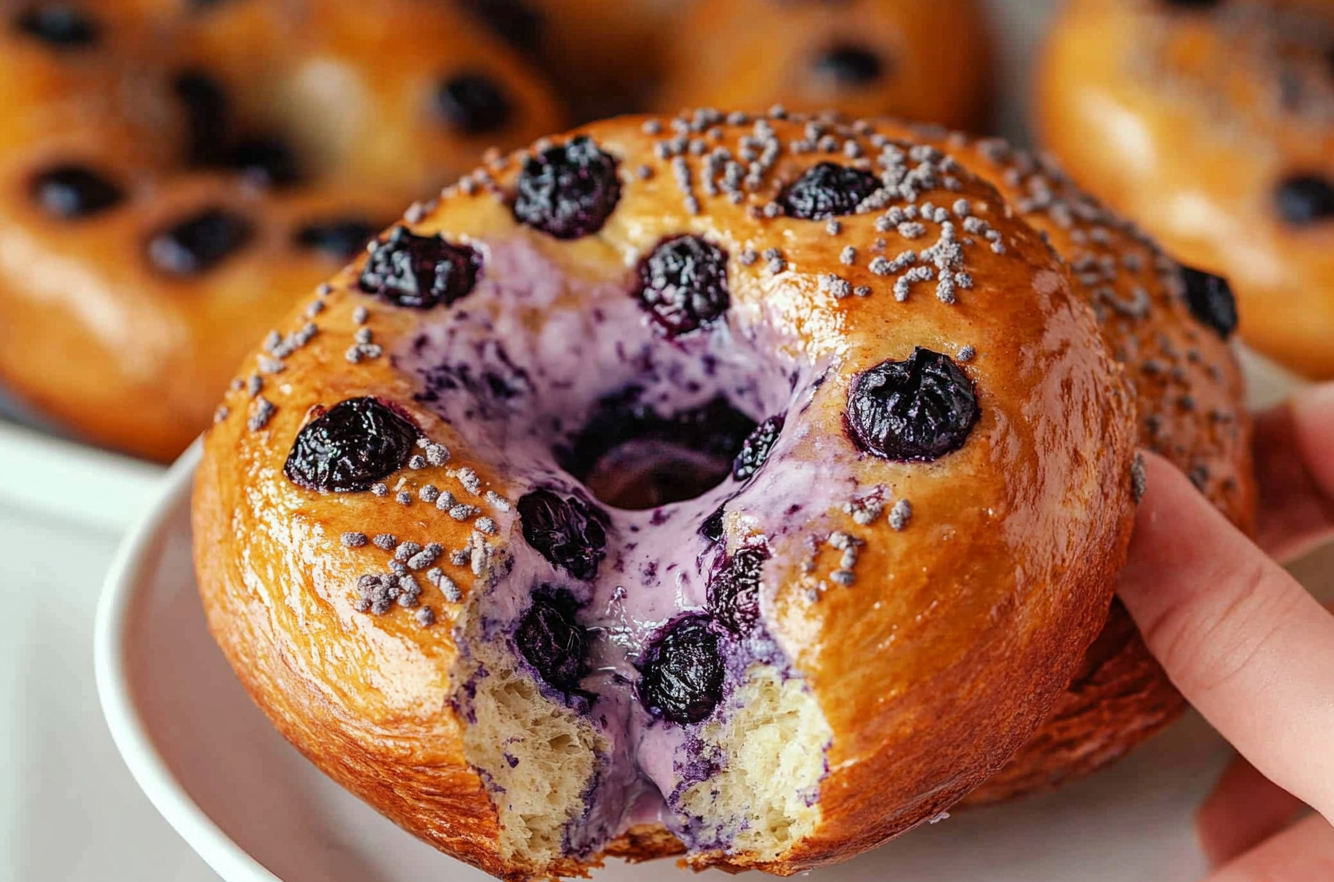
[945, 655]
[1191, 404]
[1186, 121]
[935, 59]
[91, 333]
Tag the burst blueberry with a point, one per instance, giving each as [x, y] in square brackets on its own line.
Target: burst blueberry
[72, 192]
[916, 410]
[567, 531]
[683, 285]
[420, 272]
[1210, 300]
[350, 447]
[734, 590]
[568, 191]
[756, 448]
[552, 641]
[827, 190]
[712, 528]
[681, 676]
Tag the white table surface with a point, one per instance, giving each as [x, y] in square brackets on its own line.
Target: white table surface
[68, 807]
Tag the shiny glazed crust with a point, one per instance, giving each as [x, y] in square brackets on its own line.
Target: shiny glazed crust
[936, 59]
[1190, 399]
[949, 650]
[92, 333]
[1186, 121]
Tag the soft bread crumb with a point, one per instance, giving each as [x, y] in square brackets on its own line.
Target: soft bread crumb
[773, 739]
[539, 756]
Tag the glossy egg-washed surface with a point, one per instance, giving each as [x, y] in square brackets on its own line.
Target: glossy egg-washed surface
[294, 130]
[1190, 400]
[1212, 126]
[934, 649]
[913, 60]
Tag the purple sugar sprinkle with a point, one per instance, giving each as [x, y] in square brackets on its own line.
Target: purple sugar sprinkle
[406, 550]
[403, 498]
[425, 617]
[354, 540]
[379, 489]
[387, 541]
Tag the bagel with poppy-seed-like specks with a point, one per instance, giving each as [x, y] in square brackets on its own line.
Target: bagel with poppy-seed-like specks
[635, 499]
[1211, 125]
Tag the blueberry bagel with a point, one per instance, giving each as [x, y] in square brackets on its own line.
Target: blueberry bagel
[173, 174]
[1170, 326]
[640, 496]
[1211, 124]
[905, 58]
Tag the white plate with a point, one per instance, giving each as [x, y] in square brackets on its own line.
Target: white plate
[256, 811]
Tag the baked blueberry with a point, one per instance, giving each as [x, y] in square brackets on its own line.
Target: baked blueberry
[552, 641]
[683, 285]
[199, 243]
[350, 446]
[473, 103]
[340, 239]
[268, 162]
[1210, 300]
[850, 66]
[681, 676]
[827, 190]
[70, 192]
[734, 590]
[207, 117]
[756, 448]
[568, 191]
[59, 25]
[712, 528]
[567, 531]
[1305, 199]
[420, 271]
[916, 410]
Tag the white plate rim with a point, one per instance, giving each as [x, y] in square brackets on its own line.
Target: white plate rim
[128, 729]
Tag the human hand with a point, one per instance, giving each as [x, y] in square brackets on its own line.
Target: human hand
[1248, 646]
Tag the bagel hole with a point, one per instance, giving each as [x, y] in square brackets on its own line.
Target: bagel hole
[631, 457]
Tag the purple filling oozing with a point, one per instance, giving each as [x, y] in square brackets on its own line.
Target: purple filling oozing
[585, 388]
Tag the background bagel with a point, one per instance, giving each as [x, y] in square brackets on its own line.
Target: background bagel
[468, 618]
[173, 175]
[922, 61]
[1212, 126]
